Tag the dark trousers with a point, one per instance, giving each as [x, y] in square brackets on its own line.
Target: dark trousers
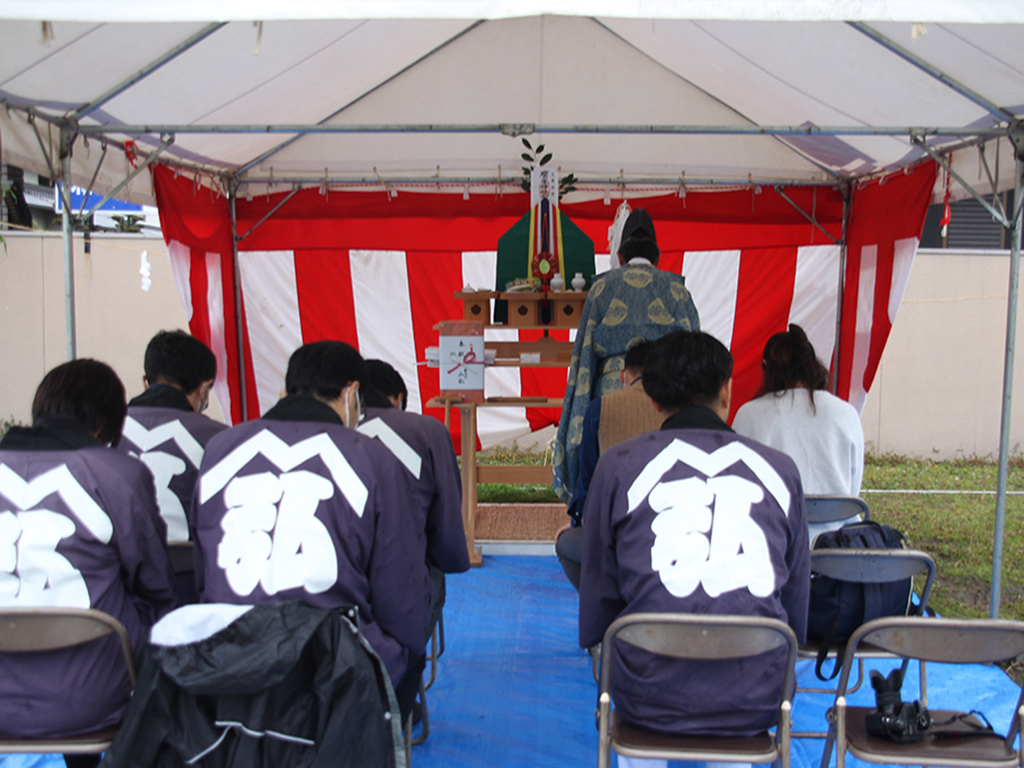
[569, 548]
[409, 685]
[82, 761]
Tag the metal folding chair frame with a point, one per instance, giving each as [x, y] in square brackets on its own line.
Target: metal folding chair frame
[699, 637]
[866, 566]
[24, 630]
[832, 509]
[951, 641]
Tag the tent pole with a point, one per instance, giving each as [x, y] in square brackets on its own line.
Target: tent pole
[1004, 428]
[69, 251]
[847, 190]
[237, 279]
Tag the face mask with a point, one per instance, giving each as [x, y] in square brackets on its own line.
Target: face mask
[348, 410]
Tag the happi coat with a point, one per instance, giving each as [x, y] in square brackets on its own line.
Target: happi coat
[295, 506]
[79, 528]
[694, 519]
[169, 437]
[424, 448]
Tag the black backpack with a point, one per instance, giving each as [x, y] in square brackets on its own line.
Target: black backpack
[837, 608]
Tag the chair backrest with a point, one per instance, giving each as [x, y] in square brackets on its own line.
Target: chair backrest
[700, 636]
[948, 641]
[24, 630]
[876, 565]
[829, 509]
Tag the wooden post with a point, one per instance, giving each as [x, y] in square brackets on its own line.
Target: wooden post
[468, 413]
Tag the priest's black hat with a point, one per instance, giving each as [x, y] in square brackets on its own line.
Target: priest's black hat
[638, 221]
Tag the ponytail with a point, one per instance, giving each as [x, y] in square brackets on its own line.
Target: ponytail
[789, 362]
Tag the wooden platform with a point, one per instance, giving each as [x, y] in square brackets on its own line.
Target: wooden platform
[519, 522]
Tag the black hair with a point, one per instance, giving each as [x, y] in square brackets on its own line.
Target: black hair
[323, 369]
[179, 359]
[639, 245]
[87, 391]
[636, 356]
[789, 362]
[383, 377]
[686, 368]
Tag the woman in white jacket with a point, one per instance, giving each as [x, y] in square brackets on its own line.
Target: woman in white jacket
[795, 413]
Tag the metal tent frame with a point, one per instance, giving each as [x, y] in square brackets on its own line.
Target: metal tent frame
[71, 128]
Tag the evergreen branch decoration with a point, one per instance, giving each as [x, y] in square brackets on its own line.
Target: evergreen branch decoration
[536, 158]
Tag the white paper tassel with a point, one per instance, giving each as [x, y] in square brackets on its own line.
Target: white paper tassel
[145, 270]
[615, 231]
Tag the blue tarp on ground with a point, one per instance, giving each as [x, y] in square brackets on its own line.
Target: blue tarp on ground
[514, 691]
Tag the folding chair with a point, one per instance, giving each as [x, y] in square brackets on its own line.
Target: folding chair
[868, 566]
[832, 509]
[865, 566]
[436, 649]
[25, 630]
[950, 641]
[696, 637]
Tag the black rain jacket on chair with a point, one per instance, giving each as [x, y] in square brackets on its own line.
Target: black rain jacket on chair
[283, 684]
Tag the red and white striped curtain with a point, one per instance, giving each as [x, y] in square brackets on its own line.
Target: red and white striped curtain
[379, 273]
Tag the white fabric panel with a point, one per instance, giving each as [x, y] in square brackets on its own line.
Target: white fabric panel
[218, 344]
[495, 425]
[380, 294]
[602, 262]
[865, 319]
[181, 268]
[903, 260]
[713, 278]
[816, 297]
[271, 317]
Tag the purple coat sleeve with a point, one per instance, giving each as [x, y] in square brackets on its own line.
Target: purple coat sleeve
[601, 602]
[399, 583]
[796, 592]
[446, 534]
[140, 535]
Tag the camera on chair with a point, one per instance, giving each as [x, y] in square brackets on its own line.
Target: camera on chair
[895, 719]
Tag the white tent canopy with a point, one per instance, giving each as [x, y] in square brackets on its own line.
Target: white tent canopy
[634, 97]
[680, 94]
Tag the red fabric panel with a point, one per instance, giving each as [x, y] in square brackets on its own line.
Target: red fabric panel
[323, 282]
[195, 216]
[706, 221]
[764, 296]
[671, 261]
[231, 340]
[440, 222]
[882, 211]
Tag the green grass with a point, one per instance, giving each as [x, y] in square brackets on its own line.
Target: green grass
[501, 493]
[955, 529]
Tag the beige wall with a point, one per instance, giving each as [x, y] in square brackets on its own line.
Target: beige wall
[937, 393]
[115, 317]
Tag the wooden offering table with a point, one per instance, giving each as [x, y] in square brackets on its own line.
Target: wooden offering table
[473, 474]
